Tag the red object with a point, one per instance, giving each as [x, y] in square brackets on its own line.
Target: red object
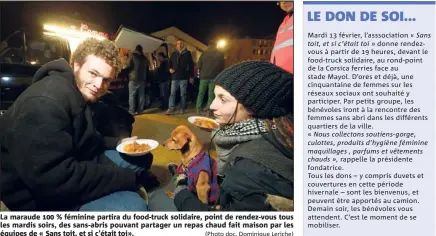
[283, 51]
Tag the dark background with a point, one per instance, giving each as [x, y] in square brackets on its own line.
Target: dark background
[201, 20]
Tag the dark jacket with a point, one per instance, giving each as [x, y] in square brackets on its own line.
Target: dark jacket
[112, 121]
[183, 65]
[248, 183]
[163, 72]
[52, 157]
[211, 63]
[138, 67]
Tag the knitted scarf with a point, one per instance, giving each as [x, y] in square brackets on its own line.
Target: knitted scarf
[229, 137]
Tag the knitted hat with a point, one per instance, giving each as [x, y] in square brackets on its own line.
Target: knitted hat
[264, 89]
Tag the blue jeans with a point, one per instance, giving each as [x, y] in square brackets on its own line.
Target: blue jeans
[159, 201]
[175, 85]
[136, 88]
[124, 200]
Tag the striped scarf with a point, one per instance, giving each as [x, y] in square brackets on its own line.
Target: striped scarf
[229, 137]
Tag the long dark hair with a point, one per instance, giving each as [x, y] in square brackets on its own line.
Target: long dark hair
[283, 129]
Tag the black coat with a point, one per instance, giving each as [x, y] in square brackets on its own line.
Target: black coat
[138, 65]
[247, 182]
[52, 156]
[211, 63]
[163, 72]
[183, 65]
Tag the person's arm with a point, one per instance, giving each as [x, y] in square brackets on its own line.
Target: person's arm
[190, 66]
[170, 61]
[221, 62]
[147, 72]
[160, 69]
[171, 64]
[129, 65]
[112, 122]
[200, 62]
[166, 69]
[41, 149]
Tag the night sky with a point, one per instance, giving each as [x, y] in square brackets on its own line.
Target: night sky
[202, 20]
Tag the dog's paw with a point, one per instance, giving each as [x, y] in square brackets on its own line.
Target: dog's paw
[181, 180]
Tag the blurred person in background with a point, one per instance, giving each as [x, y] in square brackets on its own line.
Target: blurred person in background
[283, 52]
[138, 65]
[182, 70]
[164, 77]
[211, 63]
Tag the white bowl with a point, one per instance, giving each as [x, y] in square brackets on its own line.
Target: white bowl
[193, 118]
[153, 144]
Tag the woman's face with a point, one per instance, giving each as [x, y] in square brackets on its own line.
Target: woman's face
[224, 107]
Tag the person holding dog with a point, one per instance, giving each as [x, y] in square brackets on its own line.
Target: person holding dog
[196, 169]
[254, 106]
[53, 156]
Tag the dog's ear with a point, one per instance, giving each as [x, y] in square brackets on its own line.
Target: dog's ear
[182, 139]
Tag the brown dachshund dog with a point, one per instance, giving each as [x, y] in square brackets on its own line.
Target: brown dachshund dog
[184, 140]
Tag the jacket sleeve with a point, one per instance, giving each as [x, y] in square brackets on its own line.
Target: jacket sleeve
[41, 149]
[130, 62]
[170, 61]
[191, 65]
[147, 71]
[164, 70]
[200, 62]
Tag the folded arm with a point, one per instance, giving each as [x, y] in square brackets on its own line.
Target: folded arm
[203, 187]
